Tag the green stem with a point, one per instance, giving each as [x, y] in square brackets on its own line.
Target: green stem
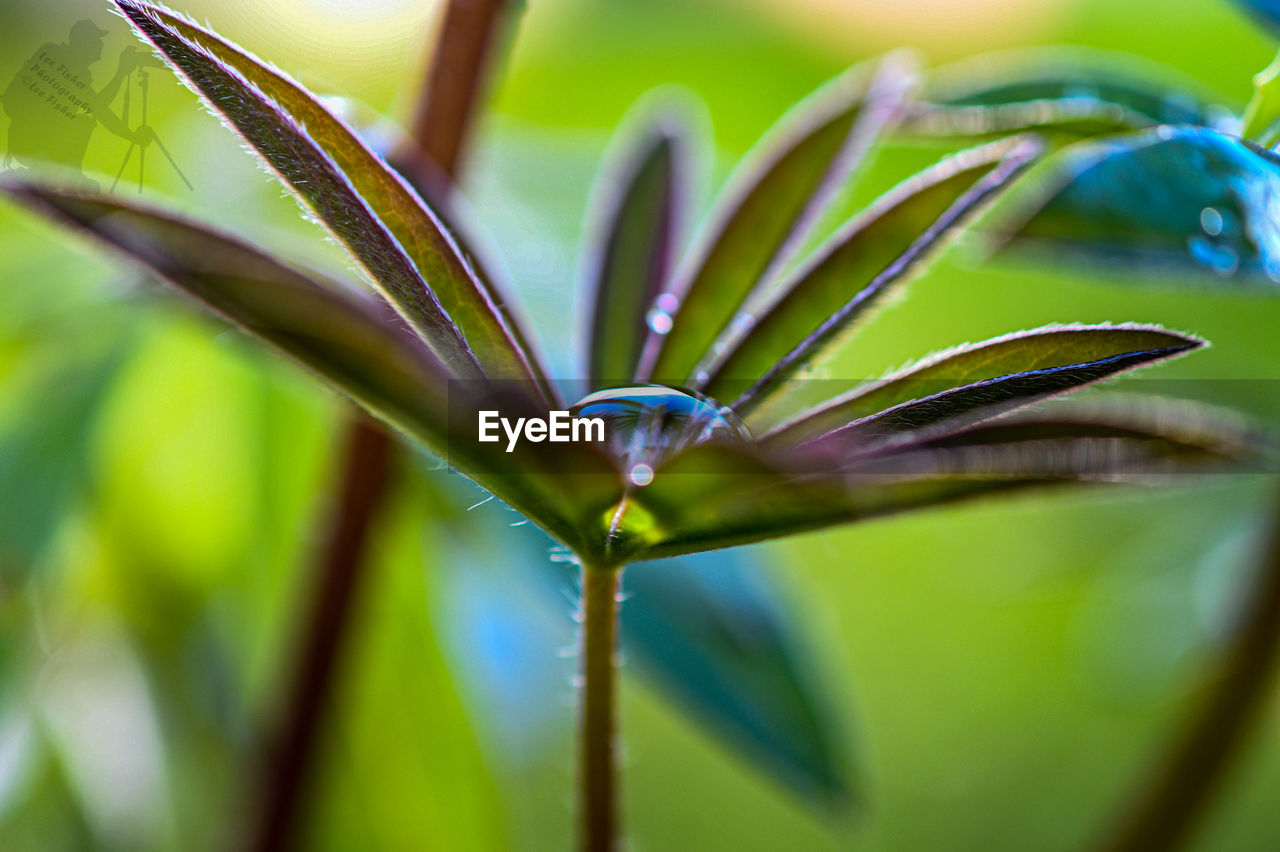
[1173, 804]
[597, 731]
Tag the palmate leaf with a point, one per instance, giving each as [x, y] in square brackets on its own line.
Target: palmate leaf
[1184, 198]
[768, 208]
[636, 252]
[859, 268]
[1064, 93]
[321, 160]
[981, 381]
[356, 345]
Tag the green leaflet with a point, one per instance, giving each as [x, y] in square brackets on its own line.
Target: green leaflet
[322, 161]
[715, 496]
[634, 259]
[351, 344]
[873, 255]
[1066, 94]
[770, 204]
[983, 380]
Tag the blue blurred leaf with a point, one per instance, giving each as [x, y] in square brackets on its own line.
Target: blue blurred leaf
[1265, 12]
[1186, 197]
[711, 631]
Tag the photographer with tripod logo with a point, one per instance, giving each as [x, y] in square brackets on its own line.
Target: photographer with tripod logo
[53, 107]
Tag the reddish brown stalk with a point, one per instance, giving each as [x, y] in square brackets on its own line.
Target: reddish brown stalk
[368, 460]
[444, 113]
[440, 129]
[1175, 800]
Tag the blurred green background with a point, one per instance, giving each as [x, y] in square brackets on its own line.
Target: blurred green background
[1004, 671]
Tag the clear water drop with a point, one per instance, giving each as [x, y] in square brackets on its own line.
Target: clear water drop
[1211, 221]
[645, 424]
[667, 303]
[659, 321]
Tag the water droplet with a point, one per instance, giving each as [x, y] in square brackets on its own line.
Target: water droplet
[659, 321]
[645, 424]
[641, 475]
[1211, 221]
[667, 303]
[702, 377]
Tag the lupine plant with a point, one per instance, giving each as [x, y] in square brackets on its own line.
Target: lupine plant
[693, 360]
[1183, 187]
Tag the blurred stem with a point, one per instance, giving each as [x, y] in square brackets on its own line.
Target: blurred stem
[441, 122]
[365, 480]
[1167, 814]
[445, 109]
[597, 731]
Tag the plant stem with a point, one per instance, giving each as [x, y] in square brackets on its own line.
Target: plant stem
[365, 480]
[1168, 813]
[597, 732]
[446, 107]
[440, 126]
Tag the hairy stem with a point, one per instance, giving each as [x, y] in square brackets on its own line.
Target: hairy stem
[597, 731]
[440, 127]
[1167, 814]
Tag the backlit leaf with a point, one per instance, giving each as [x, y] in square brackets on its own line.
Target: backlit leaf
[358, 346]
[871, 257]
[984, 380]
[465, 292]
[291, 147]
[1062, 93]
[769, 206]
[718, 496]
[634, 259]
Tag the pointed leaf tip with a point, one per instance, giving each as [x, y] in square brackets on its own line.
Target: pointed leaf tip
[770, 204]
[383, 223]
[977, 382]
[632, 262]
[872, 256]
